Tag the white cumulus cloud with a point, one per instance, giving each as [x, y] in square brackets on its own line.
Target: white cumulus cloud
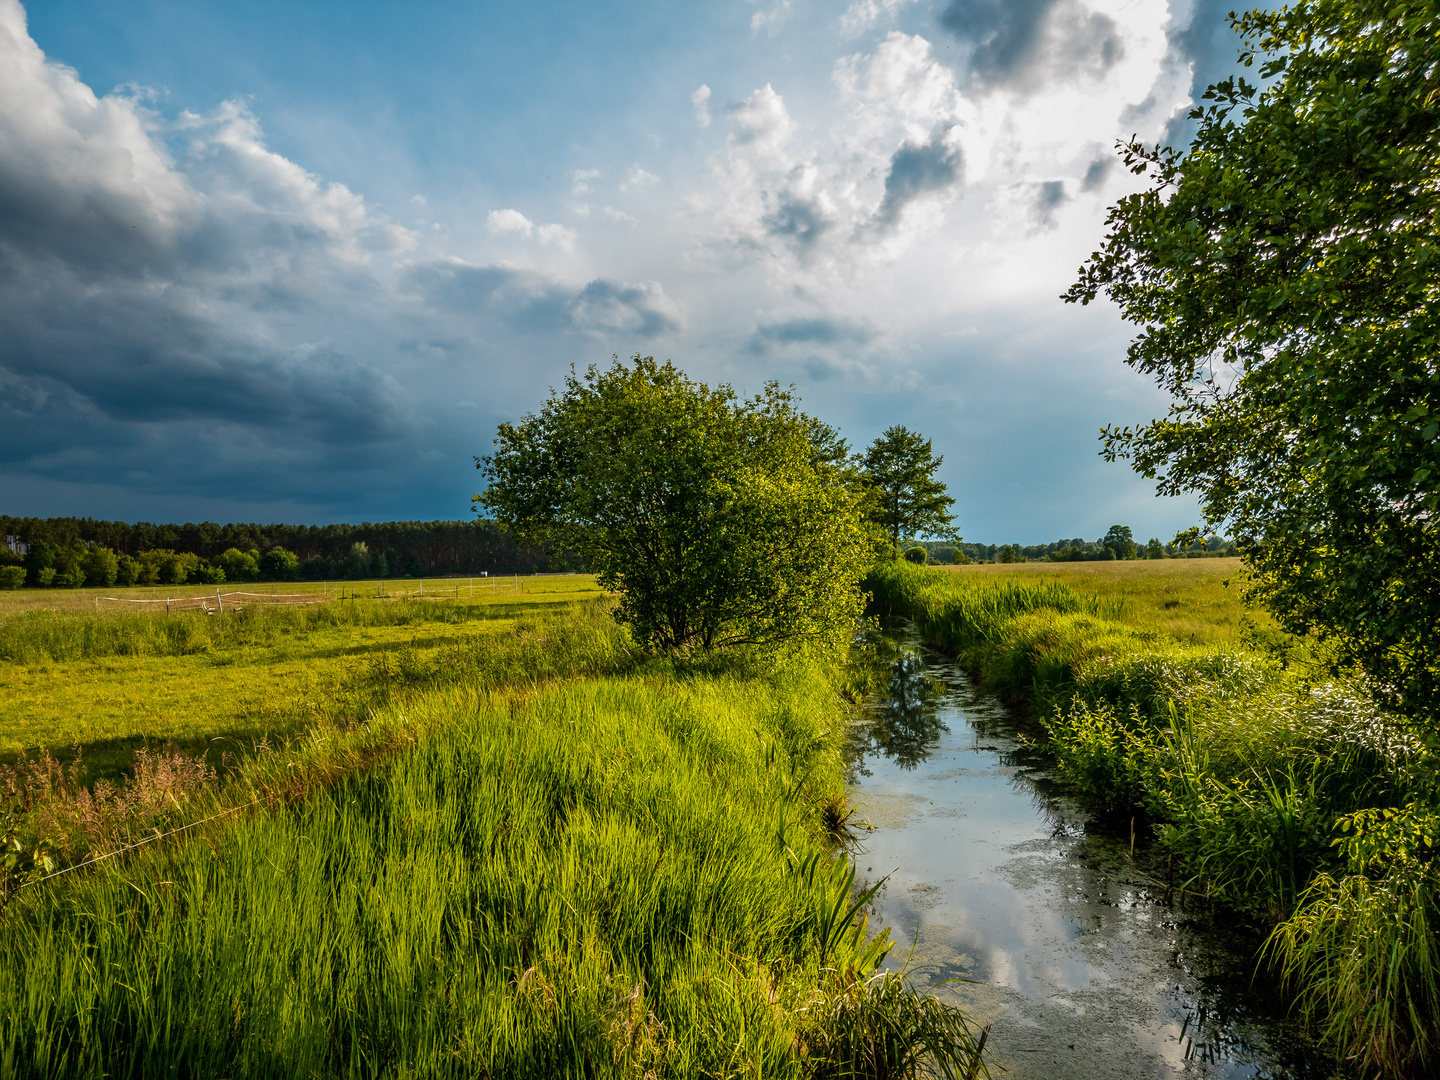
[700, 99]
[863, 14]
[509, 221]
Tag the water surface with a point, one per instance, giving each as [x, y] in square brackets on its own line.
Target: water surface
[996, 875]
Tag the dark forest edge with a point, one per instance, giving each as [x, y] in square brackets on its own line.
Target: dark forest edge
[90, 552]
[1116, 545]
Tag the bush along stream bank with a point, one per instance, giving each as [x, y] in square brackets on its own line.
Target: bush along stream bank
[631, 873]
[1286, 795]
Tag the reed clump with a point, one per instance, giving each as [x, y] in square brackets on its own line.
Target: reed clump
[79, 820]
[1282, 791]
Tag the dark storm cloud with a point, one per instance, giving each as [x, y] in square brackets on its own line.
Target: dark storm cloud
[520, 299]
[1018, 41]
[1050, 196]
[149, 355]
[1202, 39]
[113, 361]
[529, 302]
[168, 311]
[812, 331]
[916, 171]
[606, 306]
[1095, 173]
[797, 220]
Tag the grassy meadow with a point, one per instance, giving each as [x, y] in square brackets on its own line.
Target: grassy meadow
[1279, 787]
[459, 836]
[106, 681]
[1194, 601]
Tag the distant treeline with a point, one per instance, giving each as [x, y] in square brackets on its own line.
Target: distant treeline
[73, 548]
[1118, 544]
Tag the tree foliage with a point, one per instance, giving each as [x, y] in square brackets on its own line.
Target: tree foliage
[714, 517]
[410, 547]
[1285, 272]
[907, 499]
[1120, 541]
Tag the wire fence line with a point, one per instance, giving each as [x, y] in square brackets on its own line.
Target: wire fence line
[283, 598]
[141, 843]
[236, 600]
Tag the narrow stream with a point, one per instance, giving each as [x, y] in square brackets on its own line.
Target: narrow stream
[996, 876]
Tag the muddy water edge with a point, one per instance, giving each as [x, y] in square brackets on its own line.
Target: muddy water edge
[1003, 895]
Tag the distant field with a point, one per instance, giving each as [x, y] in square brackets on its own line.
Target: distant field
[555, 588]
[1196, 601]
[227, 681]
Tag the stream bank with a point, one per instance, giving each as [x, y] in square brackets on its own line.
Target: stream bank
[996, 875]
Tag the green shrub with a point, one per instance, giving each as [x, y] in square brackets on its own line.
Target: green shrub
[1363, 947]
[916, 554]
[71, 578]
[101, 567]
[357, 561]
[161, 566]
[238, 565]
[277, 564]
[1110, 758]
[12, 577]
[127, 571]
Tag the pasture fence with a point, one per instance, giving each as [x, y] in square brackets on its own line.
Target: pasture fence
[215, 604]
[377, 590]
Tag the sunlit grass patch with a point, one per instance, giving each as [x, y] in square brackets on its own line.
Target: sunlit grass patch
[502, 591]
[217, 685]
[1192, 601]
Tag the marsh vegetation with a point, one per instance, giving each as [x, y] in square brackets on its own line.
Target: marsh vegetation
[1277, 788]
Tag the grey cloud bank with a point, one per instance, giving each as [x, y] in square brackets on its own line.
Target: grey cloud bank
[1019, 41]
[186, 314]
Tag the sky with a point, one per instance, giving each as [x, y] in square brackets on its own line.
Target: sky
[294, 262]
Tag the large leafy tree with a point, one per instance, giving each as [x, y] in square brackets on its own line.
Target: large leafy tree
[1285, 271]
[1120, 540]
[905, 497]
[717, 519]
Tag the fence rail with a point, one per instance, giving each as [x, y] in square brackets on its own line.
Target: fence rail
[440, 589]
[236, 600]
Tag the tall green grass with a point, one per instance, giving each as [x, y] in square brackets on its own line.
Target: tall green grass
[1256, 776]
[599, 878]
[1025, 639]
